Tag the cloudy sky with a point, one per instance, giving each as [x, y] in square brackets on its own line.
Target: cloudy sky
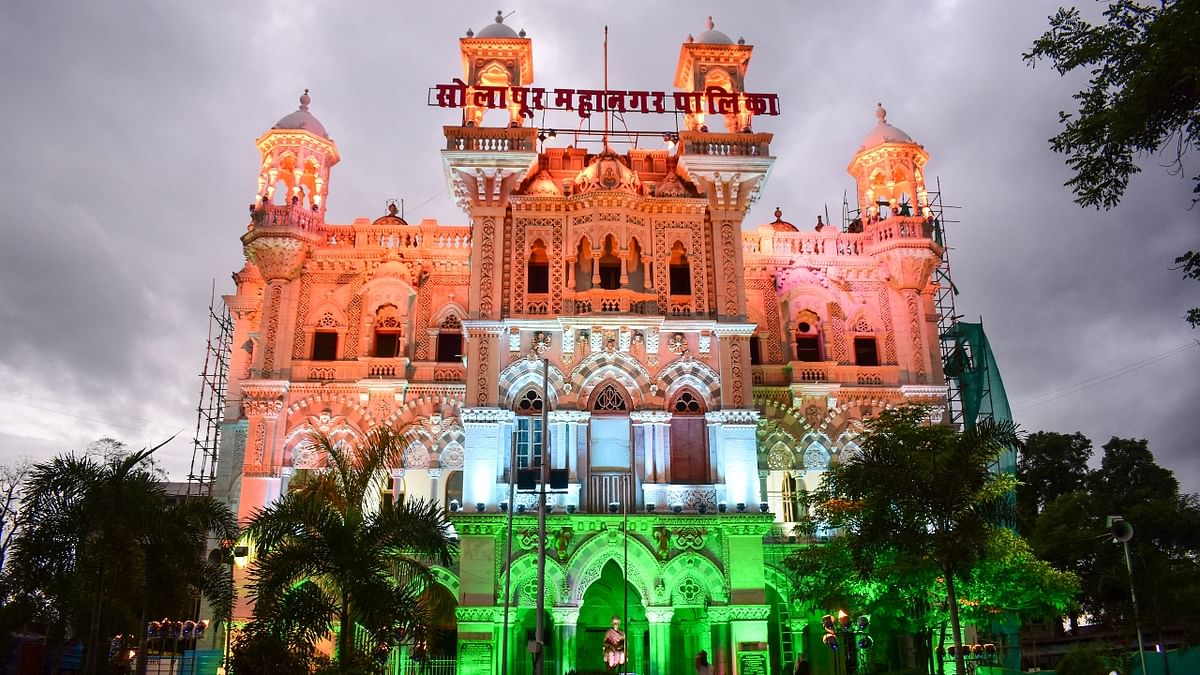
[130, 159]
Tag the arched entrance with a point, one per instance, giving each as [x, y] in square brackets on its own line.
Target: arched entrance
[610, 596]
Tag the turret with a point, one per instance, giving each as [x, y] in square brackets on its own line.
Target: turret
[714, 60]
[297, 155]
[889, 169]
[497, 56]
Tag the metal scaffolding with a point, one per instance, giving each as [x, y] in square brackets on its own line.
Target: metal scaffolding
[214, 381]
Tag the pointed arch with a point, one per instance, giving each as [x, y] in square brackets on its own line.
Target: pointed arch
[622, 368]
[523, 570]
[524, 373]
[700, 569]
[641, 568]
[691, 373]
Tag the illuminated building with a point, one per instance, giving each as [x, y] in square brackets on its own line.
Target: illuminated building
[703, 371]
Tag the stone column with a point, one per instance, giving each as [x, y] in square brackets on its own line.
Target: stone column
[721, 655]
[260, 486]
[660, 639]
[483, 452]
[748, 631]
[732, 434]
[565, 621]
[398, 480]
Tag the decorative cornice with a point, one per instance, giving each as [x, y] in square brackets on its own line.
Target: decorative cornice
[486, 415]
[650, 417]
[570, 416]
[732, 416]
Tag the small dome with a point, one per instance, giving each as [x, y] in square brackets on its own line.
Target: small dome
[712, 36]
[302, 119]
[781, 225]
[884, 132]
[497, 29]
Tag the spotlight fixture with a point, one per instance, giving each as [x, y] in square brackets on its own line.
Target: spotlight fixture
[503, 507]
[722, 507]
[650, 508]
[480, 507]
[571, 508]
[741, 507]
[520, 508]
[677, 508]
[764, 507]
[454, 506]
[703, 509]
[613, 507]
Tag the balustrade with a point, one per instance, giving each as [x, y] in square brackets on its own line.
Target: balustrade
[491, 139]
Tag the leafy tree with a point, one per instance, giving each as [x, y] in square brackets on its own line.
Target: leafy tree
[1082, 661]
[101, 549]
[1143, 96]
[924, 490]
[1050, 465]
[11, 478]
[328, 562]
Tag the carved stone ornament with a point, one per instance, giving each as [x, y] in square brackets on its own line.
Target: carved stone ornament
[607, 171]
[678, 344]
[452, 457]
[276, 257]
[541, 342]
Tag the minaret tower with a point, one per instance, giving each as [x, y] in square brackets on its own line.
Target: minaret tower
[297, 156]
[713, 60]
[497, 56]
[286, 223]
[889, 169]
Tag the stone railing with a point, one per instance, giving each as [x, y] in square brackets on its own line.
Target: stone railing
[690, 498]
[619, 301]
[832, 243]
[400, 238]
[350, 371]
[439, 372]
[845, 374]
[286, 216]
[491, 139]
[724, 145]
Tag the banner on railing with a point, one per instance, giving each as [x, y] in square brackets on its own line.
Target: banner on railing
[713, 100]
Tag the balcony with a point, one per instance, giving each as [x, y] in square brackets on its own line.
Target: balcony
[724, 145]
[350, 371]
[604, 301]
[285, 216]
[812, 372]
[491, 139]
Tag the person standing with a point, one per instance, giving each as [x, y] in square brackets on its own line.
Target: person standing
[614, 646]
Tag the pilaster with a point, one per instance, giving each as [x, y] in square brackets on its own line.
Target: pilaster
[660, 639]
[733, 433]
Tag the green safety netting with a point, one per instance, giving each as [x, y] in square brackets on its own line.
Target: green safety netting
[972, 365]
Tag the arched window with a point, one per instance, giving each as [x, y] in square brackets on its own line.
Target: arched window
[325, 339]
[866, 348]
[610, 399]
[538, 271]
[389, 332]
[808, 338]
[454, 488]
[689, 440]
[527, 437]
[610, 265]
[681, 271]
[793, 498]
[450, 340]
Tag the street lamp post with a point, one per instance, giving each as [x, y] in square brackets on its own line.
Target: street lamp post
[539, 657]
[1122, 532]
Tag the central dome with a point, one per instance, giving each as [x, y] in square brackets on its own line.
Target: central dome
[302, 119]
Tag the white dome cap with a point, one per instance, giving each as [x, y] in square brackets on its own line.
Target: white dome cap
[302, 119]
[498, 29]
[884, 132]
[712, 36]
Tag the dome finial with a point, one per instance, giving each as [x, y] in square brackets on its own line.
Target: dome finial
[709, 25]
[304, 100]
[881, 113]
[778, 213]
[499, 16]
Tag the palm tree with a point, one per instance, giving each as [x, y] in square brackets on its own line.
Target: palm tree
[327, 561]
[924, 489]
[101, 548]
